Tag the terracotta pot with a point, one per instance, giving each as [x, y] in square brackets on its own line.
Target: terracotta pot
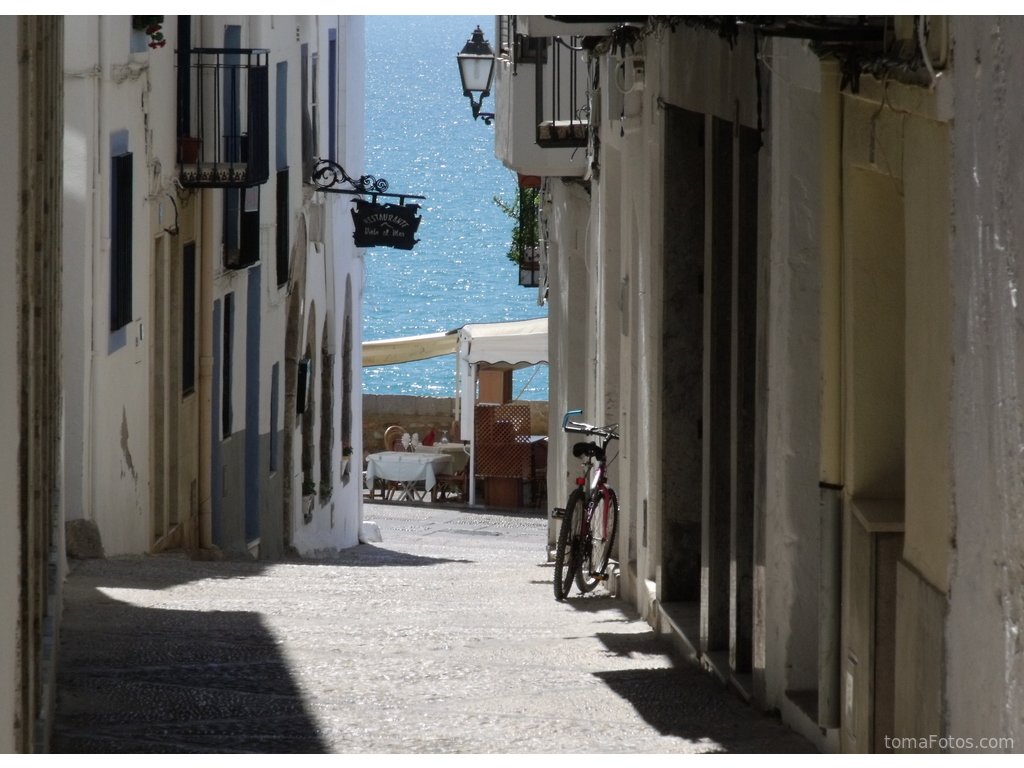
[190, 149]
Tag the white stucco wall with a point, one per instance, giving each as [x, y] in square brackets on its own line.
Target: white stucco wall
[10, 565]
[790, 575]
[568, 211]
[985, 653]
[107, 403]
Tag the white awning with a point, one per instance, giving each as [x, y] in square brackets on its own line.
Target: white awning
[409, 348]
[514, 344]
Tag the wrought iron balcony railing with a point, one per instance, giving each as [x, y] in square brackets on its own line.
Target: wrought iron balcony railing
[223, 118]
[563, 111]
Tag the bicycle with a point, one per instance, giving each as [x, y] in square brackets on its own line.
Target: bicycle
[590, 517]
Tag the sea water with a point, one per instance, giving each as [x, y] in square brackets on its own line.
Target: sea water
[421, 137]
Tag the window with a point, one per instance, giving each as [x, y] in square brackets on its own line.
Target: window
[120, 240]
[226, 364]
[326, 410]
[314, 103]
[241, 206]
[275, 437]
[188, 320]
[332, 94]
[307, 126]
[281, 116]
[241, 227]
[250, 235]
[284, 223]
[283, 244]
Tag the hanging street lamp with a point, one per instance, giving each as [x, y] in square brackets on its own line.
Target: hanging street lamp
[476, 67]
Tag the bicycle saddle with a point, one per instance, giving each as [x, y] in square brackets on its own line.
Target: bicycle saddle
[588, 449]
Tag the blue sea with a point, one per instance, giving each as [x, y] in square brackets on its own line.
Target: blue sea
[421, 137]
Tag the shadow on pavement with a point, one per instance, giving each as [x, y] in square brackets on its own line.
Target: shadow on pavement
[370, 555]
[634, 645]
[593, 602]
[133, 679]
[682, 701]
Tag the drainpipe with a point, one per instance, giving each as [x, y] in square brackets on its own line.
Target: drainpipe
[206, 266]
[831, 455]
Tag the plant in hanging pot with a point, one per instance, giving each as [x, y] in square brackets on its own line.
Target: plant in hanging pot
[308, 498]
[525, 231]
[346, 458]
[153, 27]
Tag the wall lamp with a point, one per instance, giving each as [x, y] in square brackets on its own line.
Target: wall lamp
[476, 67]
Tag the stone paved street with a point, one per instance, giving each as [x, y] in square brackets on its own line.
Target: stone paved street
[444, 637]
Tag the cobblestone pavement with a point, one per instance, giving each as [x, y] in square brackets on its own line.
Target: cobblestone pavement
[445, 637]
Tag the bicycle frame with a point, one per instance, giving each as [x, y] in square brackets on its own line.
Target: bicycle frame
[588, 553]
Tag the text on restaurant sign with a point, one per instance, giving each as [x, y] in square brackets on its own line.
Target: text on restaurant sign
[388, 225]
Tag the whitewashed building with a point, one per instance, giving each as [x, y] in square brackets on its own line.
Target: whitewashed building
[173, 270]
[782, 253]
[211, 294]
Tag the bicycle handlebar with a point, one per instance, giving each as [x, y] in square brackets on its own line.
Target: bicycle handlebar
[565, 420]
[609, 432]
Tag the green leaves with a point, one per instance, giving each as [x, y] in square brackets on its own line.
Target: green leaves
[525, 234]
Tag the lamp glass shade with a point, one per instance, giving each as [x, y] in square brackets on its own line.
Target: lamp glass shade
[476, 65]
[476, 72]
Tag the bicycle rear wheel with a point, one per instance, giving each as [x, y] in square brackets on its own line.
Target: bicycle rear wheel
[604, 523]
[568, 549]
[585, 580]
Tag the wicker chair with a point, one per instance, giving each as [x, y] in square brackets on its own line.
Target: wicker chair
[393, 436]
[451, 487]
[392, 442]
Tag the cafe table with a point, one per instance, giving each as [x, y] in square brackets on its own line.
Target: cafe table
[408, 470]
[458, 452]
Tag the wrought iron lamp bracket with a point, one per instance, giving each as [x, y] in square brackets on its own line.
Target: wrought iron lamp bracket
[487, 117]
[328, 175]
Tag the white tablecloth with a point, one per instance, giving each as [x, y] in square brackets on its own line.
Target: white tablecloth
[407, 468]
[460, 458]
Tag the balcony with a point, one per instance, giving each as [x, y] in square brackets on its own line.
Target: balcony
[562, 91]
[522, 64]
[223, 117]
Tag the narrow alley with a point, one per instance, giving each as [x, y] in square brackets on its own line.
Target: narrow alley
[444, 637]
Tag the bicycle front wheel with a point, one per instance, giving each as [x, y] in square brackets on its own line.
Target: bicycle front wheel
[567, 550]
[603, 525]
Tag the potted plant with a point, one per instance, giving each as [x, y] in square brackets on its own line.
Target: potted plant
[190, 149]
[153, 27]
[525, 232]
[308, 498]
[326, 491]
[346, 458]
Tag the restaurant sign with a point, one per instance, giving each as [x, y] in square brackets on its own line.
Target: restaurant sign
[389, 225]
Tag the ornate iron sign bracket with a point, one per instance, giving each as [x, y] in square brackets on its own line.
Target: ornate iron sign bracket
[329, 174]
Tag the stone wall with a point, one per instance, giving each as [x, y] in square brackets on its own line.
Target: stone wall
[421, 414]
